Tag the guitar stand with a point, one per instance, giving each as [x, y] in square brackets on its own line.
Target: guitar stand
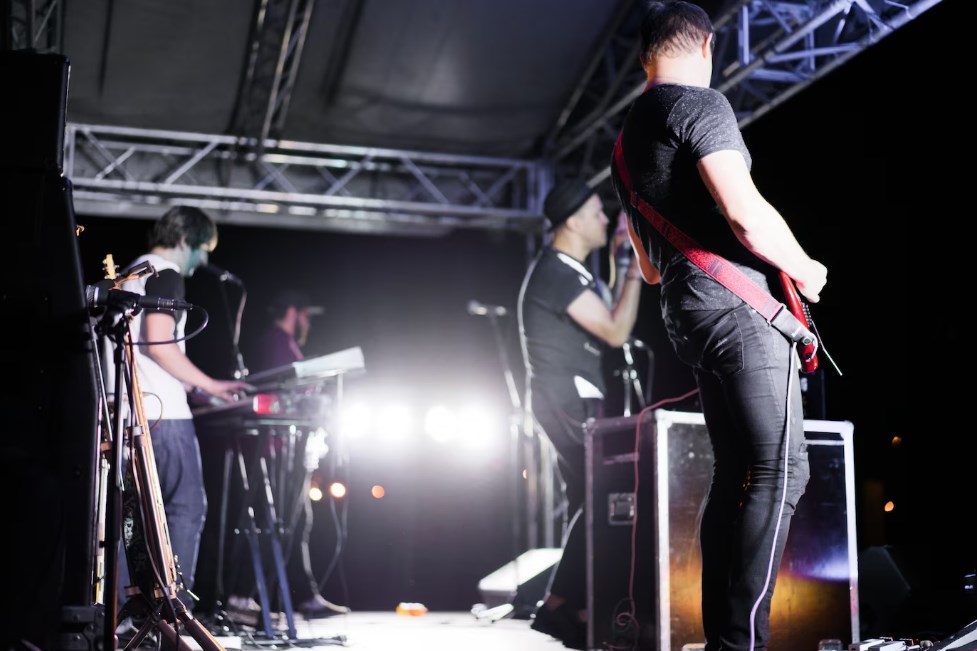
[134, 504]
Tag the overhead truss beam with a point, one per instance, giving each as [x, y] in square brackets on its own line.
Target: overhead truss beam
[132, 172]
[766, 52]
[274, 54]
[32, 25]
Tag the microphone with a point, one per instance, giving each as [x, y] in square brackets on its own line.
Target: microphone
[480, 309]
[98, 296]
[222, 274]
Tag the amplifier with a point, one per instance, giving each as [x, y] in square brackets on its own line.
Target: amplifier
[647, 479]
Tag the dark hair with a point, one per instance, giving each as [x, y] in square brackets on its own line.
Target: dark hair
[672, 27]
[183, 221]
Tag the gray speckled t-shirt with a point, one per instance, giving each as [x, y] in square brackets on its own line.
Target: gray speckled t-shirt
[667, 131]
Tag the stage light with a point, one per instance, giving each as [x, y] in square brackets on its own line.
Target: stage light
[378, 492]
[478, 427]
[355, 420]
[441, 423]
[889, 507]
[337, 490]
[315, 493]
[395, 423]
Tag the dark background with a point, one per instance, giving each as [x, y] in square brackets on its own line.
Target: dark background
[860, 165]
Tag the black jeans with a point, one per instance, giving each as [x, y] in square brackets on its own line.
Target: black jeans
[744, 371]
[561, 415]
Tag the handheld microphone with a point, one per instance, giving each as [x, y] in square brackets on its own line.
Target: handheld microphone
[480, 309]
[222, 274]
[97, 296]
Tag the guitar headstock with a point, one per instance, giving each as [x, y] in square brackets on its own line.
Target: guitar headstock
[109, 267]
[112, 271]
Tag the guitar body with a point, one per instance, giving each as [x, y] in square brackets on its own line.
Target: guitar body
[801, 311]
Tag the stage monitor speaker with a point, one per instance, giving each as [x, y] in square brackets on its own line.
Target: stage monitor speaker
[652, 532]
[908, 591]
[886, 585]
[963, 640]
[522, 582]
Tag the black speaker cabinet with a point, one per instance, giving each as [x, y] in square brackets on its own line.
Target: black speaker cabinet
[33, 110]
[647, 478]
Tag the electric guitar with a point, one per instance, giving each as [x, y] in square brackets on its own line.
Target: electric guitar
[802, 312]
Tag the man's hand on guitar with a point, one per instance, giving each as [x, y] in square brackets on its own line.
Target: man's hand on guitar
[812, 281]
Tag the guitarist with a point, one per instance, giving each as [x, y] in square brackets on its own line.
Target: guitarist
[179, 243]
[682, 152]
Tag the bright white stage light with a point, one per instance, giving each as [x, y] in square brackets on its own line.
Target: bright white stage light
[355, 420]
[395, 423]
[441, 423]
[478, 427]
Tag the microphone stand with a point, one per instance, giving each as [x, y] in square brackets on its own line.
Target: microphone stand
[220, 616]
[517, 422]
[233, 324]
[630, 378]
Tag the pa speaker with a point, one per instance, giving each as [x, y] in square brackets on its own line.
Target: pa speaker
[33, 110]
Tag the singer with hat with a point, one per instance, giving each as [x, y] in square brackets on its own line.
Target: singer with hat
[566, 319]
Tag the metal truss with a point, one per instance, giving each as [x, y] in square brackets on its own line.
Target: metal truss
[766, 52]
[127, 172]
[32, 25]
[274, 54]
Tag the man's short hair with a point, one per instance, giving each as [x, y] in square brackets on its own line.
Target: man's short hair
[673, 27]
[184, 222]
[564, 200]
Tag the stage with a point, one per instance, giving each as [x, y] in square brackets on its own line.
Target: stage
[388, 631]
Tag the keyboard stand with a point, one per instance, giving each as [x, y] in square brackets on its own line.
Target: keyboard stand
[258, 497]
[274, 533]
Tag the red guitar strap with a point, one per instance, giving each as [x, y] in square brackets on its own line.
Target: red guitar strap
[720, 269]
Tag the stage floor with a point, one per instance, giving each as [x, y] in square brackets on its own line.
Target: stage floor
[383, 631]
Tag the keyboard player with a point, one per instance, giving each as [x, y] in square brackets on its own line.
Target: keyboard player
[280, 345]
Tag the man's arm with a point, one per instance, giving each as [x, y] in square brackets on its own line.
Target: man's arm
[158, 326]
[613, 326]
[756, 223]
